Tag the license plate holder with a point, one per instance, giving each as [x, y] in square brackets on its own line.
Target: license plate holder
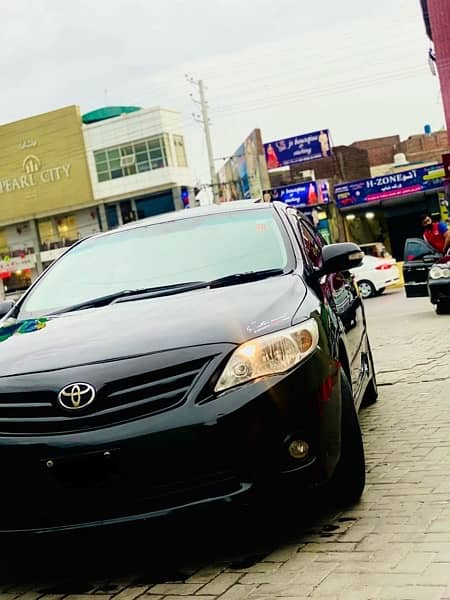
[90, 469]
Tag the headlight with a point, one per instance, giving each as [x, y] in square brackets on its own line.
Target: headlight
[435, 273]
[439, 272]
[271, 354]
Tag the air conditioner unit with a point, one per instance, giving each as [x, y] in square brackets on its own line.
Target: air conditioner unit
[127, 160]
[308, 175]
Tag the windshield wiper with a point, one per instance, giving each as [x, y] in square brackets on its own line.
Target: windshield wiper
[168, 290]
[137, 294]
[246, 277]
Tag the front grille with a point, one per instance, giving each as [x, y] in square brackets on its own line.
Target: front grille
[118, 401]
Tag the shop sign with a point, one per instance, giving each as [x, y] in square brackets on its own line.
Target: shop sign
[389, 186]
[17, 263]
[299, 149]
[301, 195]
[33, 174]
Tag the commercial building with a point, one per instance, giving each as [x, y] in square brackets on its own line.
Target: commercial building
[46, 199]
[387, 208]
[244, 174]
[64, 176]
[137, 163]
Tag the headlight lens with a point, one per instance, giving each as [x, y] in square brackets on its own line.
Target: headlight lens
[439, 272]
[269, 355]
[435, 273]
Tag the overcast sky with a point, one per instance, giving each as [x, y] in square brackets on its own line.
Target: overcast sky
[357, 67]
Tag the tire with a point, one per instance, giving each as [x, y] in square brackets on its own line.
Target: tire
[349, 478]
[443, 308]
[366, 289]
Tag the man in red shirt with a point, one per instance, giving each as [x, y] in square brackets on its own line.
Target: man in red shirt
[436, 234]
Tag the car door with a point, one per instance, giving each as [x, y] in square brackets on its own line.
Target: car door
[418, 259]
[344, 297]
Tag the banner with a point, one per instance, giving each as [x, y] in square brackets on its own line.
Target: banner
[244, 175]
[389, 186]
[17, 263]
[290, 151]
[311, 193]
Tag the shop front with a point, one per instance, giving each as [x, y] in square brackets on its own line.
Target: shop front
[387, 209]
[46, 200]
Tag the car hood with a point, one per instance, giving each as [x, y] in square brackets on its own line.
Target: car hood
[225, 315]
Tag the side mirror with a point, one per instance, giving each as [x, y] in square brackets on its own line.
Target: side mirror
[5, 307]
[340, 257]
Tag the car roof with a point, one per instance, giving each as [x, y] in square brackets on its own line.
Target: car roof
[179, 215]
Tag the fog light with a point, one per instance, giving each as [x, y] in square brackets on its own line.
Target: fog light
[299, 449]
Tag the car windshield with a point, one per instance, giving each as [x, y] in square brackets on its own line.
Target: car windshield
[195, 249]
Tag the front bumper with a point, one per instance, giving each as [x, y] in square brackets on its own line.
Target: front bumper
[207, 450]
[439, 290]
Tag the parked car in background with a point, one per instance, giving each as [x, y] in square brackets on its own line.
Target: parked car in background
[376, 249]
[375, 275]
[187, 378]
[419, 257]
[427, 273]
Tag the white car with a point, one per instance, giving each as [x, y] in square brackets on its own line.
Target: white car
[375, 275]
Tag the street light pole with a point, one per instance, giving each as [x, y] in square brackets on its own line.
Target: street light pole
[206, 127]
[206, 124]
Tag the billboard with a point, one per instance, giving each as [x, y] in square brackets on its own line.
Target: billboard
[302, 148]
[389, 186]
[44, 167]
[244, 175]
[302, 195]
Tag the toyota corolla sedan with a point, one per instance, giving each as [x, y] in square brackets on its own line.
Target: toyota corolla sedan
[194, 358]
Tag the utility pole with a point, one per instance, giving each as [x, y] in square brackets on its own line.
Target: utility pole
[204, 119]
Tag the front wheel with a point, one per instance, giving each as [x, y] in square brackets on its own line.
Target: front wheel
[349, 478]
[366, 289]
[443, 308]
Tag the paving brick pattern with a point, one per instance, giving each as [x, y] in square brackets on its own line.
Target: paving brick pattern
[395, 544]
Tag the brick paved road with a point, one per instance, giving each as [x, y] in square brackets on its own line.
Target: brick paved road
[394, 545]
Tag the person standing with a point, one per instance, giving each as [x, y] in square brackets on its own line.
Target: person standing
[436, 234]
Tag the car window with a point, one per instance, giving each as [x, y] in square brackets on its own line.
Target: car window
[162, 254]
[312, 243]
[417, 249]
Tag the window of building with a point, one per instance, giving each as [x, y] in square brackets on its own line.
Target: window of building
[180, 150]
[130, 159]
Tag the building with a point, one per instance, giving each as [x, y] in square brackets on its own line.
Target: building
[137, 163]
[244, 174]
[387, 208]
[46, 193]
[406, 180]
[64, 177]
[387, 153]
[437, 24]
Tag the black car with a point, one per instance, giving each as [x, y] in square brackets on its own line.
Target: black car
[192, 358]
[427, 273]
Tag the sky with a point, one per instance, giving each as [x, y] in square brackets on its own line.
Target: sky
[357, 67]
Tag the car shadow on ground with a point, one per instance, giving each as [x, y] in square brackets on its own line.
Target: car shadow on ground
[169, 550]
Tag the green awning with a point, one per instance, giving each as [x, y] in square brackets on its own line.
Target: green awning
[107, 112]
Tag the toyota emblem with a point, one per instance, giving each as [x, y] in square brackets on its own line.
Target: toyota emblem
[76, 396]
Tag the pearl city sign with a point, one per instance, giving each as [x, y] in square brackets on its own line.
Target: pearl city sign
[33, 174]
